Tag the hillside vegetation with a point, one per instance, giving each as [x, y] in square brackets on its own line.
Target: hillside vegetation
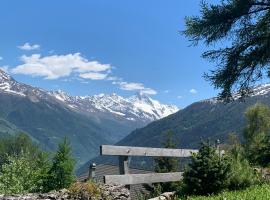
[260, 192]
[50, 127]
[208, 119]
[201, 120]
[232, 175]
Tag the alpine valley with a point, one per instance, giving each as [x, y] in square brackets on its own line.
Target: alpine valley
[202, 120]
[88, 121]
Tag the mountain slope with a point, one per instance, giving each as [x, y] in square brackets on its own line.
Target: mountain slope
[87, 121]
[201, 120]
[205, 119]
[48, 123]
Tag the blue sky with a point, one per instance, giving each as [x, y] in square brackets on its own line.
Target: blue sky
[87, 47]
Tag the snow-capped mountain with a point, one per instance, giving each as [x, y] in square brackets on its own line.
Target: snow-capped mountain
[138, 107]
[11, 86]
[263, 89]
[259, 90]
[89, 121]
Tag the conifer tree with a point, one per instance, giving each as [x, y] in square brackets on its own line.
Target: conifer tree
[61, 174]
[242, 27]
[207, 173]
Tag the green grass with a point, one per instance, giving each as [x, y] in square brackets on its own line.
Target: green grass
[254, 193]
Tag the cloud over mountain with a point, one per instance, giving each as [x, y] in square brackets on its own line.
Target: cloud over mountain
[56, 66]
[131, 86]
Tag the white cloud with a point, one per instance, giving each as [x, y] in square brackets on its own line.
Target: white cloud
[27, 46]
[179, 97]
[93, 76]
[56, 66]
[1, 58]
[193, 91]
[74, 66]
[131, 86]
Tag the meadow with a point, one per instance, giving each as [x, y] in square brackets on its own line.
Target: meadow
[260, 192]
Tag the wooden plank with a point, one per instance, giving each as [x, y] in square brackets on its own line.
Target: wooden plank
[144, 151]
[130, 179]
[123, 165]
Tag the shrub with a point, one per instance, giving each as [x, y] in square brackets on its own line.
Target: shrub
[242, 174]
[24, 167]
[17, 145]
[256, 134]
[22, 175]
[207, 173]
[87, 190]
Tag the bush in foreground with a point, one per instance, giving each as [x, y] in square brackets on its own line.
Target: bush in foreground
[22, 175]
[23, 165]
[207, 173]
[256, 135]
[18, 145]
[242, 174]
[85, 190]
[25, 168]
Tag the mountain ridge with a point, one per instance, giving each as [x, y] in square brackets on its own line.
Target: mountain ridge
[137, 107]
[48, 116]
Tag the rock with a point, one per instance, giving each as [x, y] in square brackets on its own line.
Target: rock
[164, 196]
[116, 192]
[109, 192]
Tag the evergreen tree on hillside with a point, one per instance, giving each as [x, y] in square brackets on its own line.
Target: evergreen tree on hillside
[245, 57]
[207, 173]
[257, 134]
[166, 164]
[61, 174]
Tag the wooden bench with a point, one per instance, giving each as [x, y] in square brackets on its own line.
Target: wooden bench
[129, 179]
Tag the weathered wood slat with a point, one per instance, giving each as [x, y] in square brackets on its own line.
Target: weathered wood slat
[130, 179]
[123, 165]
[144, 151]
